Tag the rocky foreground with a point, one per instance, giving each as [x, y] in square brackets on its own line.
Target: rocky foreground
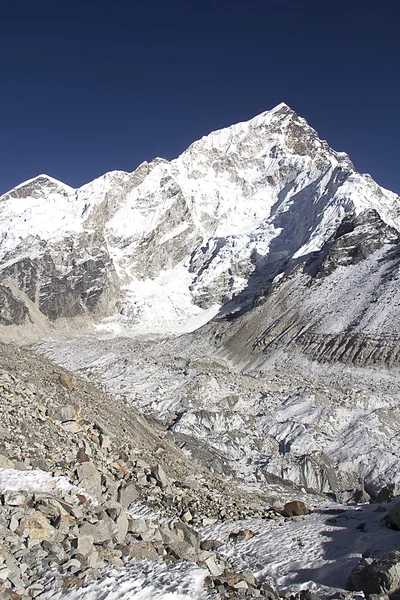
[85, 483]
[119, 504]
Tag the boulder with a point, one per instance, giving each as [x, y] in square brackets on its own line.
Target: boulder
[380, 576]
[102, 531]
[296, 508]
[160, 476]
[89, 478]
[14, 498]
[66, 381]
[186, 533]
[141, 551]
[182, 551]
[393, 516]
[388, 492]
[38, 527]
[83, 544]
[137, 526]
[128, 494]
[122, 528]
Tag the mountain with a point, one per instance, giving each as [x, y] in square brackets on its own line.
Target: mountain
[245, 295]
[240, 307]
[163, 249]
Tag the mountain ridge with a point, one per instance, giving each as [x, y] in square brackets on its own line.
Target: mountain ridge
[245, 200]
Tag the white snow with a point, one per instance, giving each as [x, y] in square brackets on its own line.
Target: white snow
[37, 481]
[139, 581]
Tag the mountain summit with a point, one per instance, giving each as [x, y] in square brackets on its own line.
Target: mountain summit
[163, 249]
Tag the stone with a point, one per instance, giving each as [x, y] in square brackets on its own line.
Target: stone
[167, 536]
[210, 544]
[296, 508]
[137, 526]
[182, 550]
[66, 381]
[89, 478]
[5, 463]
[101, 532]
[128, 494]
[212, 566]
[82, 456]
[39, 527]
[244, 534]
[268, 592]
[83, 544]
[160, 476]
[388, 492]
[240, 585]
[380, 576]
[249, 578]
[393, 516]
[308, 595]
[360, 496]
[71, 426]
[186, 534]
[141, 551]
[209, 521]
[14, 498]
[122, 528]
[35, 589]
[4, 572]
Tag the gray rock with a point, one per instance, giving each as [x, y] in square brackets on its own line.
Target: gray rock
[182, 550]
[137, 526]
[141, 551]
[159, 474]
[128, 494]
[122, 528]
[210, 544]
[186, 533]
[377, 577]
[213, 567]
[14, 498]
[89, 478]
[39, 527]
[101, 532]
[388, 492]
[83, 544]
[393, 516]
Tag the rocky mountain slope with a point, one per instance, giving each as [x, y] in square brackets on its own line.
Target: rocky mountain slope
[98, 502]
[86, 483]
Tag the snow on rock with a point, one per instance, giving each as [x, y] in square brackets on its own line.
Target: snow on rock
[12, 480]
[315, 552]
[139, 581]
[179, 239]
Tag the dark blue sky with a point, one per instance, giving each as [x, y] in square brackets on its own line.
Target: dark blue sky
[88, 86]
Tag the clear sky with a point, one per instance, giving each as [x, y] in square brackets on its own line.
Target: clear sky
[88, 86]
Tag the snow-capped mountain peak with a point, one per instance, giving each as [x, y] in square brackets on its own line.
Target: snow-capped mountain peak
[185, 237]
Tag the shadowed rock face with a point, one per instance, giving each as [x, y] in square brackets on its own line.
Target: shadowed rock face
[57, 283]
[340, 304]
[12, 311]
